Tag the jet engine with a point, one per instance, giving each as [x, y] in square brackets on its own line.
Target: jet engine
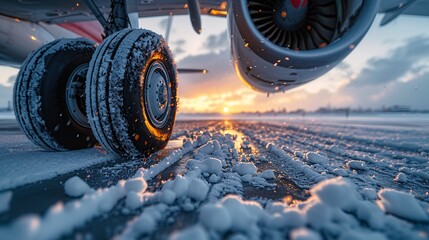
[281, 44]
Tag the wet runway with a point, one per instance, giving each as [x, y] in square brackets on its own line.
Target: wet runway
[36, 177]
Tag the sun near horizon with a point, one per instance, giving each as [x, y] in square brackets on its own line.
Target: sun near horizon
[226, 110]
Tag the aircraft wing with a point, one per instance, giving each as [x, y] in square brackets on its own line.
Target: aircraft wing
[394, 8]
[66, 11]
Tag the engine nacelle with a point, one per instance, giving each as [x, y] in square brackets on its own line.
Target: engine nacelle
[281, 44]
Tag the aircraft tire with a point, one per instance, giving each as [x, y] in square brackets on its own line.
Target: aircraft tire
[42, 101]
[132, 92]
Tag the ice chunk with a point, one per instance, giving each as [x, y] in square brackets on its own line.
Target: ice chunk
[304, 234]
[242, 218]
[246, 178]
[336, 192]
[244, 168]
[168, 196]
[203, 139]
[146, 223]
[402, 205]
[214, 178]
[76, 187]
[318, 215]
[401, 178]
[335, 149]
[209, 165]
[275, 207]
[369, 193]
[5, 201]
[298, 154]
[260, 182]
[315, 158]
[267, 174]
[180, 186]
[215, 217]
[294, 218]
[136, 185]
[369, 212]
[198, 189]
[194, 232]
[207, 148]
[356, 164]
[340, 172]
[134, 200]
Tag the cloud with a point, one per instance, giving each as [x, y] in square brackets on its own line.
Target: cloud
[217, 42]
[178, 46]
[178, 50]
[399, 78]
[221, 74]
[180, 42]
[396, 65]
[413, 93]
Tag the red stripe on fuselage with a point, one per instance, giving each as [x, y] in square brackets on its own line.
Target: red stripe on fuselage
[91, 30]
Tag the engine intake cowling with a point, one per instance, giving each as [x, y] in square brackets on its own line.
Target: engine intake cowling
[278, 45]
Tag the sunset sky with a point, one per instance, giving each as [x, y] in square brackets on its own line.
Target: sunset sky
[390, 66]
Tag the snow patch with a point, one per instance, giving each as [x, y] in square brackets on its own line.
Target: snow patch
[267, 174]
[136, 185]
[304, 234]
[209, 165]
[76, 187]
[62, 218]
[401, 178]
[198, 189]
[244, 168]
[315, 158]
[194, 232]
[357, 165]
[402, 205]
[215, 217]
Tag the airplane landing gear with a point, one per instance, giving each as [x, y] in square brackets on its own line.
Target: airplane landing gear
[124, 93]
[49, 95]
[132, 92]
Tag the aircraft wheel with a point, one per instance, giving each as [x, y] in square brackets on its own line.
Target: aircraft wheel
[132, 92]
[49, 95]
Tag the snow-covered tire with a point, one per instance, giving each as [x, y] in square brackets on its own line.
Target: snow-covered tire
[118, 108]
[40, 95]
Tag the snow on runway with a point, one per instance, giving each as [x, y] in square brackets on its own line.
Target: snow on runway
[21, 162]
[269, 179]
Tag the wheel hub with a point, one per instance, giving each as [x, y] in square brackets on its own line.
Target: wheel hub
[75, 95]
[157, 93]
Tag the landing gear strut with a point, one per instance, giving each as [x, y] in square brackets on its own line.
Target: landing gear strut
[124, 94]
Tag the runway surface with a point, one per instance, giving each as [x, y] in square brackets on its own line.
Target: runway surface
[263, 160]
